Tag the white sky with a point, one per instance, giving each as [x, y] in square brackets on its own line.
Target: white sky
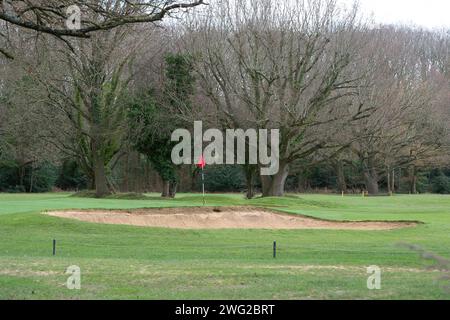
[432, 14]
[425, 13]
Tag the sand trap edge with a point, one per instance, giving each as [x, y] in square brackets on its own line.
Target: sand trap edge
[204, 219]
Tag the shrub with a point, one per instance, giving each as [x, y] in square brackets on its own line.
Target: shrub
[35, 179]
[223, 179]
[8, 176]
[71, 177]
[441, 184]
[44, 178]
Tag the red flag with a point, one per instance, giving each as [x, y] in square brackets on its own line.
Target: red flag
[201, 163]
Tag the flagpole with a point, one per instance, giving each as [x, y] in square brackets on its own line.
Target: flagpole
[203, 184]
[201, 164]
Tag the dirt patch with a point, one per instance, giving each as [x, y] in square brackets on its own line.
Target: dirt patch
[220, 218]
[26, 273]
[361, 269]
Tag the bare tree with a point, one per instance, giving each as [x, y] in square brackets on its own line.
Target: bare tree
[83, 97]
[403, 128]
[83, 79]
[20, 143]
[50, 16]
[267, 65]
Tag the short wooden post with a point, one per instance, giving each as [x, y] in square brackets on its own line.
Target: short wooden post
[54, 247]
[274, 249]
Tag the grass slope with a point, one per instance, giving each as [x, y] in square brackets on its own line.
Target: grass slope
[123, 262]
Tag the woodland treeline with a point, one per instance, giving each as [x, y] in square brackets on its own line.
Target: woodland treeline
[359, 106]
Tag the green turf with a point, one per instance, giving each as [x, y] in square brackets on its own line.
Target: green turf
[123, 262]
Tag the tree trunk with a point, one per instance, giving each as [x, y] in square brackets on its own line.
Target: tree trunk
[250, 172]
[126, 177]
[101, 182]
[389, 180]
[22, 170]
[414, 185]
[250, 190]
[273, 186]
[371, 176]
[173, 189]
[266, 183]
[371, 181]
[166, 189]
[91, 183]
[341, 182]
[413, 179]
[393, 181]
[194, 179]
[31, 177]
[303, 183]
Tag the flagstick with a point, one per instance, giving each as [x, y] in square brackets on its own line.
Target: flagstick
[201, 164]
[203, 184]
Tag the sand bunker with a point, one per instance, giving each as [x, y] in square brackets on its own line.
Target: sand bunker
[220, 218]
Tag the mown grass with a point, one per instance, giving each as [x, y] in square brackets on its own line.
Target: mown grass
[124, 262]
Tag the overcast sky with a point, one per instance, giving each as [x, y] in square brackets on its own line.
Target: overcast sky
[433, 14]
[427, 13]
